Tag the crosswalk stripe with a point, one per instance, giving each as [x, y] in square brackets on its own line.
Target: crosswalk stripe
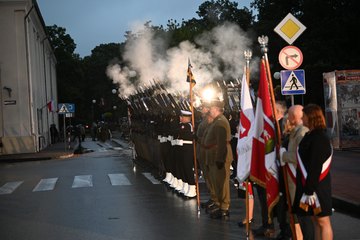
[119, 179]
[82, 181]
[151, 178]
[46, 184]
[9, 187]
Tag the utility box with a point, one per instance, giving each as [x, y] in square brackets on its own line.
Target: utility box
[342, 107]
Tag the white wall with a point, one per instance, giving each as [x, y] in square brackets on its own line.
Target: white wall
[27, 66]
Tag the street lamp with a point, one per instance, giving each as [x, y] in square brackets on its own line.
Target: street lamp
[114, 91]
[92, 109]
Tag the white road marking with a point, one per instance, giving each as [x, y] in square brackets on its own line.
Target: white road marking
[119, 179]
[151, 178]
[10, 187]
[82, 181]
[46, 184]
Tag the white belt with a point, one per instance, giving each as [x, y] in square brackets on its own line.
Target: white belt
[180, 142]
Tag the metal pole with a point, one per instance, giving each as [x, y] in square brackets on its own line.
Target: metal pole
[64, 128]
[248, 55]
[191, 84]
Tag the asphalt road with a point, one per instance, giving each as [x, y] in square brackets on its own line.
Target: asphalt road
[103, 195]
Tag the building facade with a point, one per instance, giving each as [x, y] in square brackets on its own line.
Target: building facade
[27, 79]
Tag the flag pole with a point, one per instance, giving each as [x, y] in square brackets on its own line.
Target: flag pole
[248, 55]
[192, 82]
[263, 40]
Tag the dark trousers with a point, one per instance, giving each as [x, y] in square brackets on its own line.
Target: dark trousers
[281, 214]
[263, 207]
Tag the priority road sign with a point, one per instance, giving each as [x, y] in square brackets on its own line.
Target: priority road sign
[292, 82]
[290, 28]
[290, 57]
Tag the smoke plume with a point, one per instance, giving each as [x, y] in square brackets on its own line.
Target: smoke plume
[217, 56]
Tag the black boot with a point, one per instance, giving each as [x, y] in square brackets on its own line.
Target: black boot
[206, 204]
[220, 214]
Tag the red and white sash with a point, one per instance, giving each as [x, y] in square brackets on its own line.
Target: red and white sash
[324, 172]
[290, 168]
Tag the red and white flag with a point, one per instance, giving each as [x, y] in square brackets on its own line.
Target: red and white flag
[51, 106]
[264, 170]
[244, 144]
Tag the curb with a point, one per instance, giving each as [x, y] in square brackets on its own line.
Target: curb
[346, 206]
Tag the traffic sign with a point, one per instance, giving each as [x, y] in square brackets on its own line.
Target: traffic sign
[66, 108]
[290, 28]
[290, 57]
[292, 82]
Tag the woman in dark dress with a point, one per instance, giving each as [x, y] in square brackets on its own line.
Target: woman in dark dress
[313, 181]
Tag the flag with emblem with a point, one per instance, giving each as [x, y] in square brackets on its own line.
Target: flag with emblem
[264, 170]
[244, 144]
[190, 76]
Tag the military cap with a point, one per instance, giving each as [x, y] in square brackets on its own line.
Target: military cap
[216, 103]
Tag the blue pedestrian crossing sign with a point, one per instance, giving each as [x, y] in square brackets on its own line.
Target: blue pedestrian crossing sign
[292, 82]
[66, 108]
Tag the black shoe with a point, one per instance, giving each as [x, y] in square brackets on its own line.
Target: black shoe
[206, 204]
[220, 214]
[264, 231]
[211, 208]
[243, 223]
[282, 236]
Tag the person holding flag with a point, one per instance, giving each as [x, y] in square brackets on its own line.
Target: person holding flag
[244, 144]
[263, 168]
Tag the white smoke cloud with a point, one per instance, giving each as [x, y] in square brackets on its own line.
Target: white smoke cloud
[219, 56]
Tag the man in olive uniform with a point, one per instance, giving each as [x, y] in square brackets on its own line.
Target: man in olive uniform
[200, 150]
[219, 157]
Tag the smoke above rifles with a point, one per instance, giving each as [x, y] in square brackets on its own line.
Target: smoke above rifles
[219, 55]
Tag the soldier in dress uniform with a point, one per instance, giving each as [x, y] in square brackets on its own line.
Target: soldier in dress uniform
[218, 158]
[184, 154]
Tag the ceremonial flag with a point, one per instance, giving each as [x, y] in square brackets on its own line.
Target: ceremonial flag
[51, 106]
[244, 144]
[190, 76]
[264, 170]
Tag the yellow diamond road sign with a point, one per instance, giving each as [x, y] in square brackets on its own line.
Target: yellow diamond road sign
[290, 28]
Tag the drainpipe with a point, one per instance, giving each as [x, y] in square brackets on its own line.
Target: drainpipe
[46, 93]
[29, 77]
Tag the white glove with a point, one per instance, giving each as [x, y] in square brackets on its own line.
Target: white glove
[310, 199]
[282, 150]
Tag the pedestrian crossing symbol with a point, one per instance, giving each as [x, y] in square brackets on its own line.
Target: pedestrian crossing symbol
[293, 82]
[63, 109]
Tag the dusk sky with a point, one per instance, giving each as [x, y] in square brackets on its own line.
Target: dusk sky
[94, 22]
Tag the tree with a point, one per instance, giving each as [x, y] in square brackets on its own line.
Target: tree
[214, 13]
[98, 86]
[69, 67]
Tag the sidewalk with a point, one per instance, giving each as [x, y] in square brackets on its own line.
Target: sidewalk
[54, 151]
[345, 173]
